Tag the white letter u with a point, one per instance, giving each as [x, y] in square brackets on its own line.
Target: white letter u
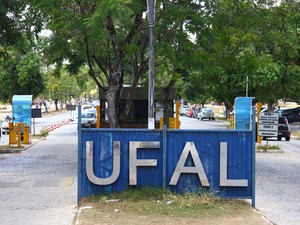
[90, 169]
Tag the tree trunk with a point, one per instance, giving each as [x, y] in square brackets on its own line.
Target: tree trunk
[229, 108]
[112, 96]
[56, 102]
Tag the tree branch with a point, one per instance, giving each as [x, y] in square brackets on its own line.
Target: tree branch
[136, 26]
[112, 31]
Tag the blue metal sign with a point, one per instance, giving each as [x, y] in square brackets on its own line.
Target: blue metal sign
[181, 160]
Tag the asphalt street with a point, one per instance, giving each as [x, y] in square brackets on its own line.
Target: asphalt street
[39, 186]
[278, 183]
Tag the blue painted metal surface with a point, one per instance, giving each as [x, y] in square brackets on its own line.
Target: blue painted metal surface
[21, 108]
[240, 159]
[242, 117]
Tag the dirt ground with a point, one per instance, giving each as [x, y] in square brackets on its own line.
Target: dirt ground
[94, 214]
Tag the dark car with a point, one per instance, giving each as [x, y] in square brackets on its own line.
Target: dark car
[292, 115]
[283, 129]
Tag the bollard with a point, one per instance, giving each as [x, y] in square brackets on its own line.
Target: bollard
[12, 133]
[232, 121]
[19, 130]
[98, 116]
[161, 122]
[177, 121]
[26, 134]
[172, 123]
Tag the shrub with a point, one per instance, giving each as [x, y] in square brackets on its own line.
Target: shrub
[44, 133]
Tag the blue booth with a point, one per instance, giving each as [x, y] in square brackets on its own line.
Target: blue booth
[21, 108]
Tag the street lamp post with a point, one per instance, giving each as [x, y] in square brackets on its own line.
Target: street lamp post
[151, 20]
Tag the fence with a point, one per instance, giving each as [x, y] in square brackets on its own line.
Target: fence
[222, 161]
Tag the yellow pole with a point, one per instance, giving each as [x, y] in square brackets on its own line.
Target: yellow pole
[161, 122]
[177, 122]
[232, 121]
[19, 127]
[12, 133]
[258, 106]
[26, 139]
[172, 122]
[98, 116]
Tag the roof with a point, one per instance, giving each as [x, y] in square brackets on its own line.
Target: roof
[141, 93]
[22, 98]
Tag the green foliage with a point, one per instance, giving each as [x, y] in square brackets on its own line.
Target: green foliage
[209, 48]
[44, 133]
[20, 74]
[248, 39]
[63, 87]
[10, 31]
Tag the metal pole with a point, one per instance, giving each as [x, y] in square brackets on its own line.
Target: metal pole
[247, 80]
[151, 19]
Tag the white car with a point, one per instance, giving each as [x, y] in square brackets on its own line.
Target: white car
[4, 125]
[86, 105]
[184, 110]
[206, 113]
[88, 117]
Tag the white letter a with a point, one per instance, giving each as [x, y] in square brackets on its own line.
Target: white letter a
[180, 168]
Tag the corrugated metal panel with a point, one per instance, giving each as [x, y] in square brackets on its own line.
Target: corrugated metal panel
[207, 144]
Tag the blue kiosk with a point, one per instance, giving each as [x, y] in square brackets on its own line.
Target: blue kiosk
[21, 109]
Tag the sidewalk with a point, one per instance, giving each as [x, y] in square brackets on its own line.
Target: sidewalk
[14, 149]
[5, 148]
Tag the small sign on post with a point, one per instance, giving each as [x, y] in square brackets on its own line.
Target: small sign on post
[268, 124]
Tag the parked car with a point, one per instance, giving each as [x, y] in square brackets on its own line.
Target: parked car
[4, 125]
[206, 113]
[283, 129]
[184, 110]
[86, 105]
[88, 119]
[292, 115]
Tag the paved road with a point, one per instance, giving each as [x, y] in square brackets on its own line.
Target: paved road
[278, 183]
[39, 186]
[192, 123]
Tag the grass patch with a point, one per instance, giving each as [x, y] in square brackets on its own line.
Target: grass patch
[295, 135]
[36, 136]
[223, 119]
[150, 201]
[267, 147]
[5, 147]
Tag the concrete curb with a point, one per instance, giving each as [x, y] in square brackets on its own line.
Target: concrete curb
[19, 150]
[270, 151]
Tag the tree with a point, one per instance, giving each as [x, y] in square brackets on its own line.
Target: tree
[10, 31]
[104, 35]
[115, 39]
[251, 40]
[176, 56]
[63, 87]
[19, 59]
[20, 74]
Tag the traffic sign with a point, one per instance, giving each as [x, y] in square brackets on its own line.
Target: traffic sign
[268, 124]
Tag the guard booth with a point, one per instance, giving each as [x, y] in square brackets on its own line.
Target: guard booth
[138, 115]
[21, 109]
[21, 112]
